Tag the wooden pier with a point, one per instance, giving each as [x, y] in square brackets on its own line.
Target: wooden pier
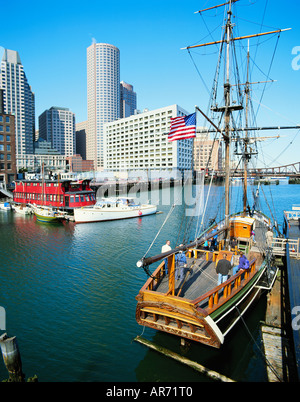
[280, 334]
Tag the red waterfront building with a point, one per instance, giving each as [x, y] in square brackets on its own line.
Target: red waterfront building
[65, 194]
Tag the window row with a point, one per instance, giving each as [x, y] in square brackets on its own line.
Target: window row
[6, 166]
[6, 128]
[4, 118]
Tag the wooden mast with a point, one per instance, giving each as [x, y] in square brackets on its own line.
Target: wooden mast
[246, 139]
[227, 125]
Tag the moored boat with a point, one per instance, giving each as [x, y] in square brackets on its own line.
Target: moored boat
[107, 209]
[5, 206]
[47, 214]
[22, 209]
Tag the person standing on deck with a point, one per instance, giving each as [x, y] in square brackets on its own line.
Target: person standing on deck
[180, 264]
[223, 267]
[233, 244]
[164, 249]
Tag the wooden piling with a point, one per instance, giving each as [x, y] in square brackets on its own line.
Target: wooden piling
[196, 366]
[12, 358]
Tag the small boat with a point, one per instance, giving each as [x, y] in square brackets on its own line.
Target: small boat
[47, 214]
[5, 206]
[22, 209]
[108, 209]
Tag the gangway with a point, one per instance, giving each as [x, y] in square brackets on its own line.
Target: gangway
[279, 246]
[4, 191]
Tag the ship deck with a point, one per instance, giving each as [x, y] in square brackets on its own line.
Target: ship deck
[199, 276]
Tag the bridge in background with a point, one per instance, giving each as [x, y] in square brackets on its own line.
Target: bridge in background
[292, 170]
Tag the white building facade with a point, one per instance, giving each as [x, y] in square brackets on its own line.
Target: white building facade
[57, 125]
[103, 96]
[140, 142]
[18, 100]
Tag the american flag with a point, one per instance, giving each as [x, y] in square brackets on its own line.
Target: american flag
[182, 127]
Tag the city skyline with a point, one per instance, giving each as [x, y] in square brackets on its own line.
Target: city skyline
[150, 38]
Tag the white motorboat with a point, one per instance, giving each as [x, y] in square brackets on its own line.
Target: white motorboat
[107, 209]
[5, 206]
[22, 209]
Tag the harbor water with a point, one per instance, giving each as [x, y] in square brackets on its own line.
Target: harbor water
[69, 290]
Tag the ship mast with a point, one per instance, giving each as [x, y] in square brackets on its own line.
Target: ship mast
[228, 108]
[227, 124]
[247, 89]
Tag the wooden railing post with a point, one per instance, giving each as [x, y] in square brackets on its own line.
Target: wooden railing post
[171, 273]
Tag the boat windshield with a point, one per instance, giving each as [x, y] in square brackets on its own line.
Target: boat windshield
[109, 202]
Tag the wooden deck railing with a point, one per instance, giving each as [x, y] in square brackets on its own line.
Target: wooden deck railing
[213, 299]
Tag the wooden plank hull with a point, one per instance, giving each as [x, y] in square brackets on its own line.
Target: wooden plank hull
[186, 319]
[180, 319]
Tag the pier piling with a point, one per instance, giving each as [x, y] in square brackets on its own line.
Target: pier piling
[12, 358]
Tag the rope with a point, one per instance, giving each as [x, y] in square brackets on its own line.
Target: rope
[167, 217]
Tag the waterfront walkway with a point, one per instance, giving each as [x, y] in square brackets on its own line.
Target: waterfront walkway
[281, 330]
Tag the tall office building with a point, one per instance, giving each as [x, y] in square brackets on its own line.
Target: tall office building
[128, 100]
[103, 96]
[140, 142]
[8, 171]
[57, 125]
[18, 100]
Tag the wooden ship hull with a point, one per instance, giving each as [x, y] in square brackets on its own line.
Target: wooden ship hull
[195, 307]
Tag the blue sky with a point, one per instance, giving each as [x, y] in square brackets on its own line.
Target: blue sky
[52, 38]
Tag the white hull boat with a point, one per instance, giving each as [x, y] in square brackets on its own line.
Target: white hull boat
[22, 209]
[113, 209]
[5, 206]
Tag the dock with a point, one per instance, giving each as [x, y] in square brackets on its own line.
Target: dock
[281, 330]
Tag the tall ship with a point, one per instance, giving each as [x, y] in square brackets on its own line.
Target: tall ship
[65, 194]
[190, 291]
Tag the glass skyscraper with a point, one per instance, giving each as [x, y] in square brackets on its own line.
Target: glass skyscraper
[128, 100]
[103, 96]
[18, 100]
